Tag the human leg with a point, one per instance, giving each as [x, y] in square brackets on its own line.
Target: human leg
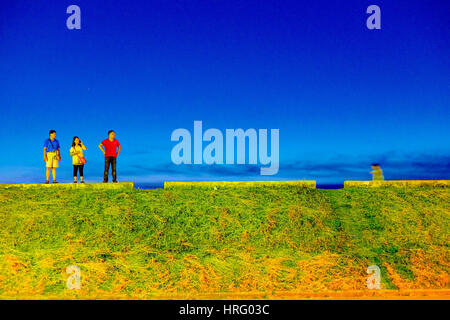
[75, 173]
[81, 169]
[113, 167]
[105, 174]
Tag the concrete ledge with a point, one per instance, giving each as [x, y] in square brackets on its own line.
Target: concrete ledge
[397, 183]
[211, 184]
[96, 185]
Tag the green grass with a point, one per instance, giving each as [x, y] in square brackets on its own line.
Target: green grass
[146, 243]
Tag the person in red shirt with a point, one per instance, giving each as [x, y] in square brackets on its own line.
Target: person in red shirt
[111, 149]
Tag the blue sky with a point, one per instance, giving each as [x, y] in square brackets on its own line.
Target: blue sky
[341, 95]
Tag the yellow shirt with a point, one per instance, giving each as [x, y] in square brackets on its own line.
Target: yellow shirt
[75, 152]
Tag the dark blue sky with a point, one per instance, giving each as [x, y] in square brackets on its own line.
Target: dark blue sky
[342, 96]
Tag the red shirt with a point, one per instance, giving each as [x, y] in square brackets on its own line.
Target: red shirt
[111, 147]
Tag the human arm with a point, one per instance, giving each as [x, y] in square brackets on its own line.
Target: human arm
[102, 148]
[118, 151]
[45, 154]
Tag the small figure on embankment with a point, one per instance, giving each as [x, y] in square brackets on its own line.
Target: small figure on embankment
[377, 173]
[111, 149]
[52, 156]
[78, 160]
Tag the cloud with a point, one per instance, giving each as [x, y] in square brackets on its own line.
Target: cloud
[396, 166]
[192, 170]
[335, 170]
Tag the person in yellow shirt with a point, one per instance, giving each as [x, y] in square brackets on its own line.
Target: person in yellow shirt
[377, 173]
[52, 156]
[78, 161]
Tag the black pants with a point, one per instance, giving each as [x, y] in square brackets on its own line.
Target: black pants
[77, 168]
[110, 161]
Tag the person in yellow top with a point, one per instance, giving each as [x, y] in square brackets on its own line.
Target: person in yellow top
[78, 161]
[377, 173]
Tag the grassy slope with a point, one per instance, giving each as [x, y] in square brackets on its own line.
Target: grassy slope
[153, 243]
